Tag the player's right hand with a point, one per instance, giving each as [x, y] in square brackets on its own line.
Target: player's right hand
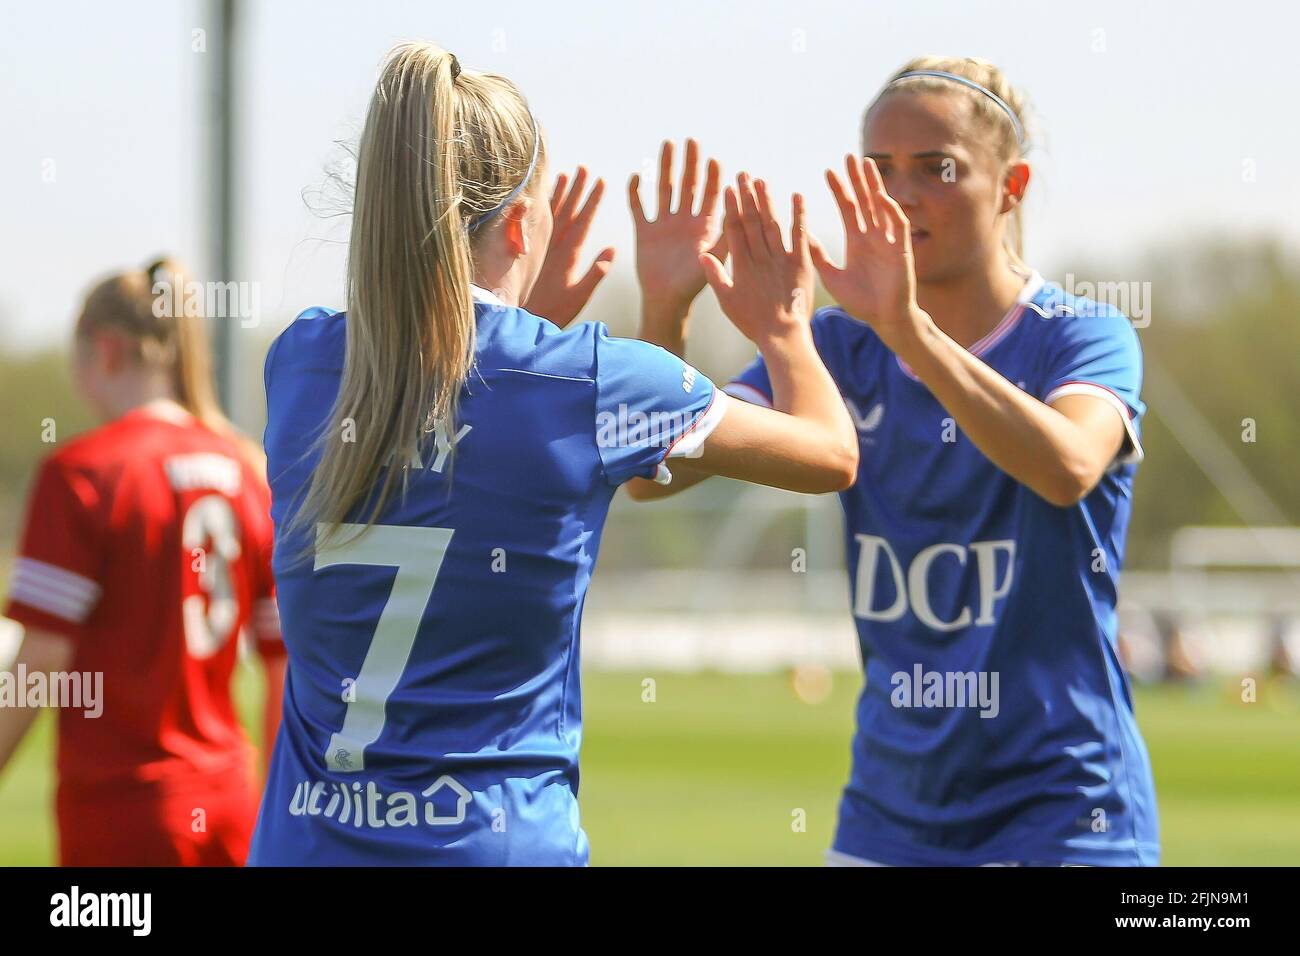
[563, 288]
[668, 247]
[877, 284]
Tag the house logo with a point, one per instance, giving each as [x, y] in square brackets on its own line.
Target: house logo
[462, 797]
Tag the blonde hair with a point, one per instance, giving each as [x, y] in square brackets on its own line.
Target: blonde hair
[1007, 144]
[441, 149]
[166, 338]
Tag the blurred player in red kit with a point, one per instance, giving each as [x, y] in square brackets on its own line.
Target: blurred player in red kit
[145, 557]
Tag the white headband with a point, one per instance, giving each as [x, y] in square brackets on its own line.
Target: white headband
[953, 77]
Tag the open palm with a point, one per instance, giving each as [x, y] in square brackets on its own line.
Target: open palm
[563, 285]
[770, 290]
[877, 284]
[668, 248]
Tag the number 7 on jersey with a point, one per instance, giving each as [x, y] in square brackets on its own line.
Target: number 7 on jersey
[417, 554]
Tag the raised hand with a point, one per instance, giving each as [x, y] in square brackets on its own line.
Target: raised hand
[769, 293]
[668, 248]
[562, 288]
[878, 282]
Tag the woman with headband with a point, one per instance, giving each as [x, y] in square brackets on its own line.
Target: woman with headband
[997, 419]
[442, 457]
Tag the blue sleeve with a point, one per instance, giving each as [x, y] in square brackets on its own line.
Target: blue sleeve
[753, 384]
[650, 405]
[266, 365]
[301, 377]
[1096, 352]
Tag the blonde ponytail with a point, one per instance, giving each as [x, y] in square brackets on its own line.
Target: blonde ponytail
[192, 363]
[441, 148]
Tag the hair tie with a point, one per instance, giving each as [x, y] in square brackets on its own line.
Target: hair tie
[151, 270]
[455, 66]
[964, 81]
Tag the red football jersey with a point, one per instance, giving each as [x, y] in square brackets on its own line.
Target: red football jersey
[148, 542]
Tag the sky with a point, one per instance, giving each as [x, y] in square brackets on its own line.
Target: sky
[1153, 121]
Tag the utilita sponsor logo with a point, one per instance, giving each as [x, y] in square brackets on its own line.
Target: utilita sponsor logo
[441, 804]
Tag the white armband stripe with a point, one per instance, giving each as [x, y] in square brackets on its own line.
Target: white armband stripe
[49, 602]
[53, 590]
[74, 584]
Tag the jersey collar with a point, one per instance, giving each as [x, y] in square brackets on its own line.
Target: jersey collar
[484, 296]
[165, 410]
[1033, 285]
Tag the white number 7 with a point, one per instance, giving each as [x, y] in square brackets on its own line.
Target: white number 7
[417, 554]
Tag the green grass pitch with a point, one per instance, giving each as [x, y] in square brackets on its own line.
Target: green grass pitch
[717, 768]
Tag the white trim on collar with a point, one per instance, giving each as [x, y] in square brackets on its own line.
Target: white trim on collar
[1033, 285]
[483, 295]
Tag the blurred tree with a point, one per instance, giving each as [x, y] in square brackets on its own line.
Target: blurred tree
[1222, 351]
[34, 388]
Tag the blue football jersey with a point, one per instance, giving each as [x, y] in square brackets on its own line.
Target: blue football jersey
[432, 709]
[996, 722]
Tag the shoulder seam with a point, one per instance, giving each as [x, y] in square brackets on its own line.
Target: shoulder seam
[561, 378]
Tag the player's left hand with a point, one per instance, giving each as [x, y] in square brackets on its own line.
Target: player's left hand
[563, 289]
[770, 291]
[878, 282]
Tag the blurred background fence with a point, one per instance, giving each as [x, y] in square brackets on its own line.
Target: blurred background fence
[742, 577]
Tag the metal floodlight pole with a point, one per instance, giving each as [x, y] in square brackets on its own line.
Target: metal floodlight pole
[221, 191]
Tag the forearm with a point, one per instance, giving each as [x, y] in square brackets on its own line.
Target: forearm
[803, 388]
[663, 323]
[1030, 441]
[805, 442]
[40, 652]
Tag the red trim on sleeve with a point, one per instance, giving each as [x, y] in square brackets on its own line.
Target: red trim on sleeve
[698, 418]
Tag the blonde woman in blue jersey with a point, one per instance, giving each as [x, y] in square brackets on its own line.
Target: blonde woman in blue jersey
[997, 418]
[442, 457]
